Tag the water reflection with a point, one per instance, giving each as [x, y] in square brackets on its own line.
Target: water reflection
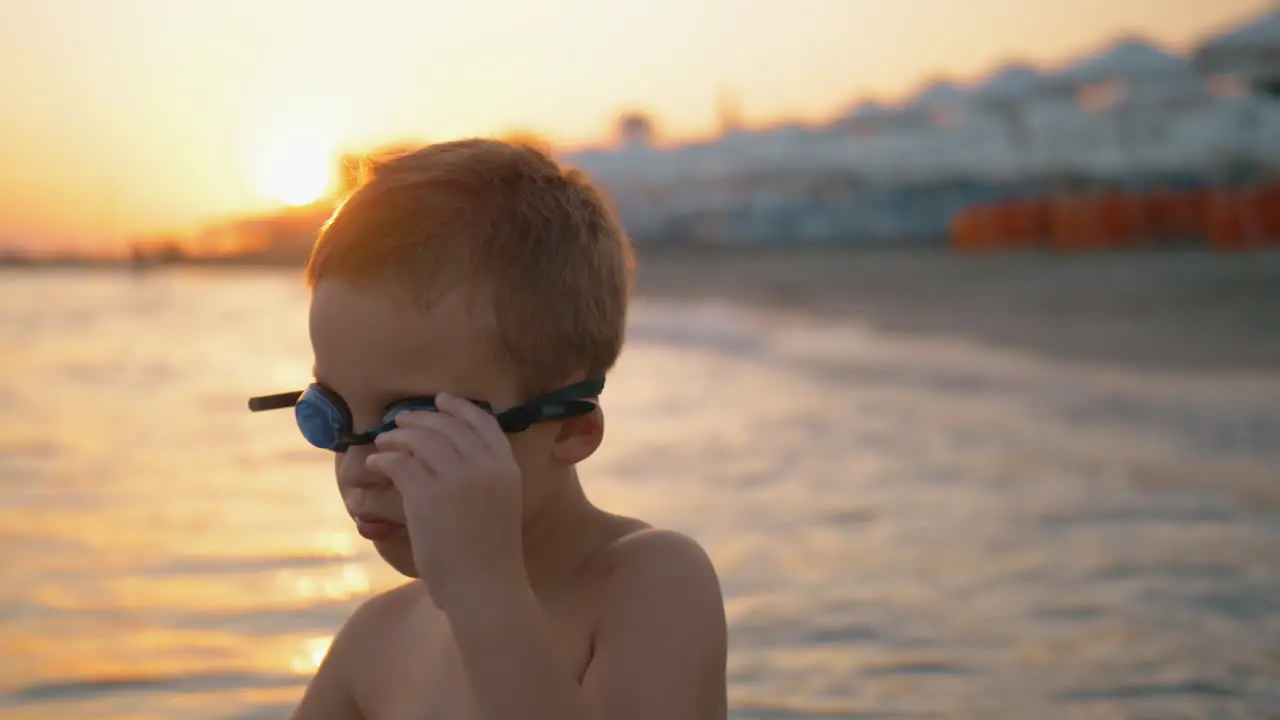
[311, 655]
[346, 582]
[901, 528]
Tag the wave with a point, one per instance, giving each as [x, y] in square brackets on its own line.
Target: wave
[92, 688]
[233, 565]
[1191, 687]
[1206, 416]
[710, 325]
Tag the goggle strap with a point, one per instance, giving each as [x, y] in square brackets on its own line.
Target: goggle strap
[566, 402]
[274, 402]
[577, 391]
[361, 438]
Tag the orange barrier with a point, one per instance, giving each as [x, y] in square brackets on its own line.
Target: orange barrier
[993, 225]
[1224, 227]
[1001, 226]
[1270, 212]
[1231, 220]
[1193, 214]
[1160, 208]
[1122, 221]
[1176, 215]
[1239, 220]
[1078, 224]
[1028, 223]
[976, 229]
[966, 232]
[1064, 224]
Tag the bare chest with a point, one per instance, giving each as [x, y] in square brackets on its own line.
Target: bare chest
[421, 675]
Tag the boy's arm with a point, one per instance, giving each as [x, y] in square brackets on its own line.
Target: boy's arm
[659, 647]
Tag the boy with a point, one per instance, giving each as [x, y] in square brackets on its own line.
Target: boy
[467, 301]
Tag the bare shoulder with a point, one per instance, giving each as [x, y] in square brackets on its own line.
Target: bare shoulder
[646, 549]
[334, 690]
[650, 562]
[660, 640]
[377, 623]
[374, 617]
[387, 608]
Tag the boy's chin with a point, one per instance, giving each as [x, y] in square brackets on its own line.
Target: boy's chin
[399, 555]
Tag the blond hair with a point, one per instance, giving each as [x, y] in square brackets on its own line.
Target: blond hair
[505, 220]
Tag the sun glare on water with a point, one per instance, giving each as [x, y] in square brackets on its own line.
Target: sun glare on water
[311, 655]
[296, 168]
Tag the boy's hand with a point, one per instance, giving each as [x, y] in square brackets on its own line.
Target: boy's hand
[462, 499]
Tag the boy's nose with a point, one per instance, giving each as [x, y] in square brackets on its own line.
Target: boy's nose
[352, 471]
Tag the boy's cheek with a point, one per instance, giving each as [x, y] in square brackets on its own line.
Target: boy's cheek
[352, 471]
[532, 447]
[340, 461]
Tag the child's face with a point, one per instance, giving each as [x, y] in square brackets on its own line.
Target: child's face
[374, 348]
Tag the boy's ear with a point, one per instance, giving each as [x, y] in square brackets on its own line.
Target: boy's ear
[579, 437]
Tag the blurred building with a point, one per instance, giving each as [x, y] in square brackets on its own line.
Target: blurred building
[1250, 51]
[1131, 114]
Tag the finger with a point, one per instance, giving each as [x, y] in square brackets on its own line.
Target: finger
[403, 470]
[430, 448]
[484, 425]
[460, 435]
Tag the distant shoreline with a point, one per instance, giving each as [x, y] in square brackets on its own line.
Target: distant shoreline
[124, 263]
[1182, 311]
[1186, 311]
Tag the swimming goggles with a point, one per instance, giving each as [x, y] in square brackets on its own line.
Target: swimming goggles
[325, 420]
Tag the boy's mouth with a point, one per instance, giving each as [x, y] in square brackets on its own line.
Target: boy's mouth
[376, 527]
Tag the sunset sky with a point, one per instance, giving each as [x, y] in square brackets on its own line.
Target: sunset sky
[127, 116]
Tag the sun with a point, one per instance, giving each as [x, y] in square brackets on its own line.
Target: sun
[296, 168]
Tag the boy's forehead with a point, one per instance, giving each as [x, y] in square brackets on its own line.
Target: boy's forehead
[369, 338]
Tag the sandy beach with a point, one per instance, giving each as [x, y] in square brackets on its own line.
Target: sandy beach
[1176, 311]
